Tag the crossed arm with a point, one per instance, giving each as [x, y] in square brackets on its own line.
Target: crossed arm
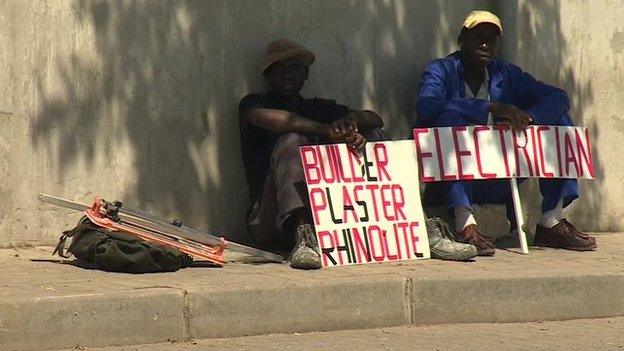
[345, 129]
[538, 103]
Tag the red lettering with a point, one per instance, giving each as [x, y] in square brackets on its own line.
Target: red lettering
[535, 159]
[413, 226]
[570, 157]
[517, 148]
[475, 135]
[331, 177]
[375, 232]
[382, 162]
[389, 255]
[459, 153]
[310, 165]
[318, 202]
[558, 143]
[384, 201]
[397, 241]
[406, 240]
[541, 151]
[502, 128]
[421, 155]
[399, 202]
[584, 155]
[339, 166]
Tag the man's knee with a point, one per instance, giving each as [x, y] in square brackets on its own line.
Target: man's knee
[449, 119]
[288, 145]
[292, 140]
[563, 120]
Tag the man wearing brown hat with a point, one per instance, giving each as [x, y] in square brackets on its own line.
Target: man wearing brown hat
[273, 126]
[469, 87]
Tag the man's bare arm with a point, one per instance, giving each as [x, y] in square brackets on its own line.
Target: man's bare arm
[367, 119]
[281, 121]
[356, 121]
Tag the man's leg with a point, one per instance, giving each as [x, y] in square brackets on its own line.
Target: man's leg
[281, 219]
[458, 196]
[293, 216]
[553, 229]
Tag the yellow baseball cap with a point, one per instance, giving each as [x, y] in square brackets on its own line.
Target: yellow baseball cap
[477, 17]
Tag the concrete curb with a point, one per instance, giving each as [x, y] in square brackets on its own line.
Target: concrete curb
[517, 299]
[160, 314]
[117, 318]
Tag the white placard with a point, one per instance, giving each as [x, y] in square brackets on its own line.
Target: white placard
[488, 152]
[366, 208]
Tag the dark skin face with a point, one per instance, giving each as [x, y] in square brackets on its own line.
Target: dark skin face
[479, 45]
[287, 77]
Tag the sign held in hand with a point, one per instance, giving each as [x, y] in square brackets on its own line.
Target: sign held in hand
[366, 208]
[489, 152]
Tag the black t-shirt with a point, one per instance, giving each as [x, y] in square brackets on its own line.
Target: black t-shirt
[257, 143]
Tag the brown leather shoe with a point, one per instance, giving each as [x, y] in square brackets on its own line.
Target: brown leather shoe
[563, 236]
[471, 235]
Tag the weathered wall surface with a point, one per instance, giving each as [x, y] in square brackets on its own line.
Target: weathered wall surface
[579, 46]
[137, 100]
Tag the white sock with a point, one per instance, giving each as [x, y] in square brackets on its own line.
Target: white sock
[463, 217]
[553, 217]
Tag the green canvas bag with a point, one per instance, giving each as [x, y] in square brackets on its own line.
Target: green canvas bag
[99, 248]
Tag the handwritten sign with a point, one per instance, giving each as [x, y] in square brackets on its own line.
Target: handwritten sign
[366, 208]
[486, 152]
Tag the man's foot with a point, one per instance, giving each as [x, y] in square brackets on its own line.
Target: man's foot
[471, 235]
[304, 254]
[441, 243]
[564, 236]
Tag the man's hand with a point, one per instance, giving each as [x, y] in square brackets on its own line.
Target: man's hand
[355, 141]
[347, 130]
[517, 118]
[346, 125]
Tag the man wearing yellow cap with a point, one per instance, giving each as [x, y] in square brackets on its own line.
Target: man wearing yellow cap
[471, 87]
[273, 126]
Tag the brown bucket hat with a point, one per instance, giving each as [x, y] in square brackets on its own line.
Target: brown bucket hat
[282, 49]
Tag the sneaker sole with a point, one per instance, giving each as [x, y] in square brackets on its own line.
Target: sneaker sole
[572, 248]
[461, 256]
[307, 266]
[486, 252]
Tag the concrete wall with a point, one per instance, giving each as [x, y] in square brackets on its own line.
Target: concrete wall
[136, 100]
[579, 46]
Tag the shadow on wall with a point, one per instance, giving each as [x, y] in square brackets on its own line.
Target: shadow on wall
[534, 39]
[155, 84]
[163, 79]
[149, 89]
[154, 94]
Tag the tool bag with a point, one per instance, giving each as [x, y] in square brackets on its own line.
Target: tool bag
[99, 248]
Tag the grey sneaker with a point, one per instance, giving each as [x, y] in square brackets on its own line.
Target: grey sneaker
[305, 255]
[442, 244]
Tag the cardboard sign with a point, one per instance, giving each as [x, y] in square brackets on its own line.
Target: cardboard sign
[486, 152]
[366, 208]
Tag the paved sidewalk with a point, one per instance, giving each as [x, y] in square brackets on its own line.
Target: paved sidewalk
[47, 304]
